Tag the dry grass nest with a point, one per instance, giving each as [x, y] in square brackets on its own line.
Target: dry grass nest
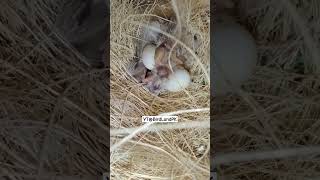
[279, 106]
[50, 98]
[168, 151]
[52, 107]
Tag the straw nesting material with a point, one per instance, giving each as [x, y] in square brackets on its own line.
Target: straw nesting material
[177, 153]
[278, 106]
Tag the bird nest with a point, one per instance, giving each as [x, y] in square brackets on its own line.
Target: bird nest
[53, 105]
[278, 107]
[174, 150]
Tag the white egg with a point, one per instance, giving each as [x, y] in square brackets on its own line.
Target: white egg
[177, 81]
[234, 56]
[148, 56]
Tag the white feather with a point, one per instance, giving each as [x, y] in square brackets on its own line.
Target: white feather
[150, 34]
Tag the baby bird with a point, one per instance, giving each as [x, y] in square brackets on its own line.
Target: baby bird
[156, 70]
[155, 73]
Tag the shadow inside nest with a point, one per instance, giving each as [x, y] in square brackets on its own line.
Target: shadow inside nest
[85, 24]
[51, 106]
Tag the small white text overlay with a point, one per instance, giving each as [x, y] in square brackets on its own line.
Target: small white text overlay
[164, 119]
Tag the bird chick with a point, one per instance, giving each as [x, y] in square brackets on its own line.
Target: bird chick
[162, 76]
[164, 64]
[159, 61]
[138, 71]
[152, 69]
[155, 59]
[152, 82]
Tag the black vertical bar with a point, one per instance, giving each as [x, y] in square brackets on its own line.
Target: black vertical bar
[107, 62]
